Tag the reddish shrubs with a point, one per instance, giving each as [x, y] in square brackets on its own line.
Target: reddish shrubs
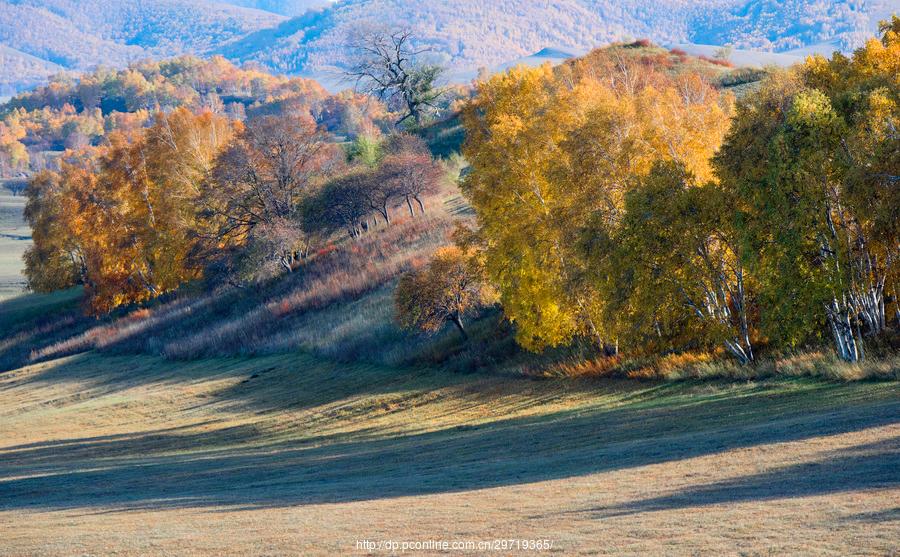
[340, 275]
[716, 61]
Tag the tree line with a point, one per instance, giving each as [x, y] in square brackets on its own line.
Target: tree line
[652, 212]
[199, 195]
[73, 113]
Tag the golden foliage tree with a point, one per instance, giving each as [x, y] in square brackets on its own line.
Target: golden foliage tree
[446, 291]
[813, 159]
[552, 151]
[128, 218]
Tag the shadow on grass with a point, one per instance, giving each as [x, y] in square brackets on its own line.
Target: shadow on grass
[888, 515]
[239, 468]
[856, 468]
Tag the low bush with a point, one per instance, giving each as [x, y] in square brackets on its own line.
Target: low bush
[704, 365]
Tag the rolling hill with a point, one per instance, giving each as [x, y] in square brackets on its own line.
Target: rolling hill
[283, 7]
[42, 37]
[47, 36]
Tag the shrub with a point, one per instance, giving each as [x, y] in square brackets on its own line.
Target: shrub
[445, 292]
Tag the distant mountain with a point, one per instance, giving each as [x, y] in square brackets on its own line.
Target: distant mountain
[466, 34]
[42, 36]
[283, 7]
[22, 70]
[53, 35]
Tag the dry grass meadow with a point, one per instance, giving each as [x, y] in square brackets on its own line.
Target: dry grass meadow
[292, 455]
[15, 237]
[295, 418]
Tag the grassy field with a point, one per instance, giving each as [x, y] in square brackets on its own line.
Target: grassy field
[294, 417]
[15, 236]
[290, 454]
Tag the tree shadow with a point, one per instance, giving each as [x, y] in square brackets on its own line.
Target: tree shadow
[239, 468]
[872, 466]
[887, 515]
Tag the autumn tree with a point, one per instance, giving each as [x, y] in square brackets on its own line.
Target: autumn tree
[446, 291]
[675, 267]
[411, 177]
[555, 151]
[54, 260]
[399, 143]
[124, 222]
[389, 66]
[343, 203]
[259, 182]
[14, 156]
[813, 159]
[382, 191]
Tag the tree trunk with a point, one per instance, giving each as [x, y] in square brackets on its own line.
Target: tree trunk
[409, 204]
[844, 339]
[286, 265]
[457, 320]
[738, 351]
[421, 205]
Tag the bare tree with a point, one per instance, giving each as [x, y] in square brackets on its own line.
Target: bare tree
[266, 172]
[413, 176]
[388, 66]
[259, 182]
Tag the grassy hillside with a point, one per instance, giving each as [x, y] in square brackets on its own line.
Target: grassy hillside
[15, 237]
[295, 454]
[339, 306]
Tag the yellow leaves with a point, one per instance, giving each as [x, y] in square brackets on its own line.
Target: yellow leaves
[551, 150]
[127, 217]
[446, 290]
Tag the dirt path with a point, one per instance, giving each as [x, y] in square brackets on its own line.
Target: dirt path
[286, 455]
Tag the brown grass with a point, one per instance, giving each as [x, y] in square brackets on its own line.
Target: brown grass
[716, 61]
[230, 321]
[289, 455]
[704, 365]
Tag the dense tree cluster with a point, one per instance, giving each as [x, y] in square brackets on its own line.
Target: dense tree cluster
[644, 210]
[124, 221]
[198, 194]
[68, 113]
[554, 153]
[813, 165]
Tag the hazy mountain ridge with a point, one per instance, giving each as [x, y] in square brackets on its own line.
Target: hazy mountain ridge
[463, 34]
[470, 34]
[283, 7]
[79, 34]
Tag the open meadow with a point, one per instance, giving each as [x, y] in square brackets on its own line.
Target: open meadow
[290, 454]
[298, 419]
[15, 237]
